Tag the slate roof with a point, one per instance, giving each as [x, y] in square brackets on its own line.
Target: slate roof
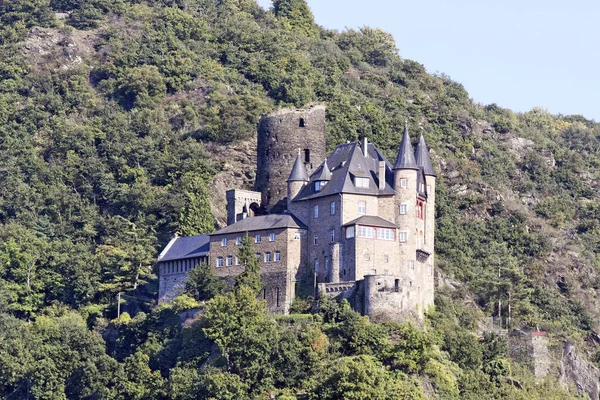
[372, 220]
[323, 173]
[406, 156]
[298, 171]
[185, 247]
[346, 162]
[262, 222]
[422, 157]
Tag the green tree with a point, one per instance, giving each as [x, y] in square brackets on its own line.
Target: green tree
[203, 284]
[296, 16]
[196, 215]
[250, 277]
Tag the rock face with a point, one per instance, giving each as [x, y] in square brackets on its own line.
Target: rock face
[575, 370]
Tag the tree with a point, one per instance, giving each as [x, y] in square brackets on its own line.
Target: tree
[296, 16]
[195, 216]
[251, 275]
[203, 284]
[246, 335]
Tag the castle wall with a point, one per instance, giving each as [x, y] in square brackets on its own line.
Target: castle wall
[429, 275]
[278, 277]
[376, 256]
[173, 275]
[236, 199]
[388, 298]
[324, 251]
[280, 135]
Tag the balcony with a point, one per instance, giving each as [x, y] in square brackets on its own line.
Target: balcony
[422, 255]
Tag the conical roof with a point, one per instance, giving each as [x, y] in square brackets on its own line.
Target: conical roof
[298, 171]
[323, 173]
[422, 157]
[406, 155]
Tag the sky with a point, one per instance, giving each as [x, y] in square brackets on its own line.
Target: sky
[517, 54]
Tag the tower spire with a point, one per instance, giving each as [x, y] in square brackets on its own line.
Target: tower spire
[298, 170]
[406, 156]
[422, 157]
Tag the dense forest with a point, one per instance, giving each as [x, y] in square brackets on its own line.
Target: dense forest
[110, 111]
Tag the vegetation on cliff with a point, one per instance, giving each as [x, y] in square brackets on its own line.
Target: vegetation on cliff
[109, 112]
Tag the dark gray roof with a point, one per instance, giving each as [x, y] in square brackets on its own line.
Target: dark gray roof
[346, 162]
[422, 157]
[372, 220]
[406, 156]
[185, 247]
[323, 173]
[262, 222]
[298, 171]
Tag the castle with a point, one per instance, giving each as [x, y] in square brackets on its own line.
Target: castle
[349, 224]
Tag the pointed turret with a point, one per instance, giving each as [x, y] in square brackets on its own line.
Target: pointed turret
[406, 155]
[323, 173]
[422, 157]
[298, 173]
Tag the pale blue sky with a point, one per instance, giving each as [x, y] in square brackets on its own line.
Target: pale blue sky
[518, 54]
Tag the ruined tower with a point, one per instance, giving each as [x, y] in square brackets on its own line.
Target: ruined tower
[280, 135]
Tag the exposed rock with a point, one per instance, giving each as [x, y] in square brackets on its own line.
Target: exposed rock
[575, 370]
[520, 146]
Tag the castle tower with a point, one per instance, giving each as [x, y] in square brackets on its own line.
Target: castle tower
[296, 181]
[424, 162]
[405, 185]
[280, 135]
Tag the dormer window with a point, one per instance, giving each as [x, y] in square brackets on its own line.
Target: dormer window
[320, 185]
[361, 182]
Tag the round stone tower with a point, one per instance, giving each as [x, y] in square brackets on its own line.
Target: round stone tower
[280, 135]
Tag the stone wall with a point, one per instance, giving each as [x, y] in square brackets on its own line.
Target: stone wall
[389, 298]
[278, 277]
[280, 135]
[236, 199]
[173, 275]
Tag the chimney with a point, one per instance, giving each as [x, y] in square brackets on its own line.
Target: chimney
[364, 146]
[381, 175]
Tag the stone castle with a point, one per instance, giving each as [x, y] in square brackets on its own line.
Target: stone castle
[348, 224]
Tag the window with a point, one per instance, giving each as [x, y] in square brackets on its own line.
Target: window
[257, 255]
[316, 212]
[306, 155]
[277, 256]
[422, 189]
[316, 239]
[366, 232]
[271, 237]
[296, 235]
[403, 183]
[219, 262]
[229, 261]
[264, 293]
[396, 285]
[332, 208]
[223, 242]
[403, 209]
[411, 265]
[257, 239]
[237, 260]
[238, 240]
[320, 185]
[373, 272]
[326, 264]
[277, 297]
[403, 236]
[420, 209]
[361, 182]
[268, 256]
[362, 207]
[385, 234]
[349, 232]
[301, 123]
[430, 270]
[332, 235]
[386, 258]
[316, 263]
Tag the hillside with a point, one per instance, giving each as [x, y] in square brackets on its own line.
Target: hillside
[121, 122]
